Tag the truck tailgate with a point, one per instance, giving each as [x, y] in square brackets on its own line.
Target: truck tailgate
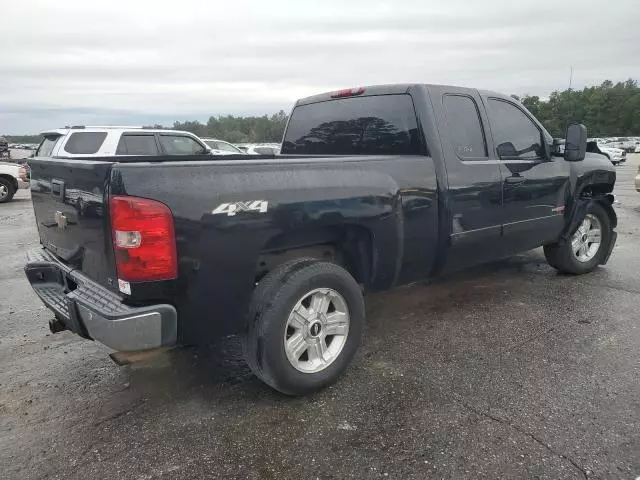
[69, 205]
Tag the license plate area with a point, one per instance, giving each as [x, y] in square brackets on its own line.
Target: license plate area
[48, 276]
[52, 284]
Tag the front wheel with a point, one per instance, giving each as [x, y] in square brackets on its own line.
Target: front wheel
[586, 248]
[305, 323]
[7, 190]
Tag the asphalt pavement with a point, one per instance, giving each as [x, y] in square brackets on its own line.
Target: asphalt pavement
[505, 371]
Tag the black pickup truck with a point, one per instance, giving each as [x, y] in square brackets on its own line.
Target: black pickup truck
[376, 187]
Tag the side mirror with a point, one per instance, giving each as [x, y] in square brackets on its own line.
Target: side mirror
[507, 151]
[576, 143]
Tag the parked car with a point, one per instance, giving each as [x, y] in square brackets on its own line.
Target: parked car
[376, 187]
[616, 155]
[263, 149]
[220, 147]
[12, 178]
[83, 141]
[627, 144]
[5, 151]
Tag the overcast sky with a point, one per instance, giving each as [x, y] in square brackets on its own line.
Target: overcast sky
[138, 62]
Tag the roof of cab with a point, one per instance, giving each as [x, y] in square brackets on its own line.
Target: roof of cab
[390, 89]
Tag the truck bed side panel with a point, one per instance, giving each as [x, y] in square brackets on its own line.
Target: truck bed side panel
[393, 198]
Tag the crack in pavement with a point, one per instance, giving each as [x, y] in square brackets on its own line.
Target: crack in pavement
[460, 401]
[583, 471]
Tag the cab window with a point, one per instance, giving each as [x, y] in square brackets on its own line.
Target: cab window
[515, 135]
[180, 145]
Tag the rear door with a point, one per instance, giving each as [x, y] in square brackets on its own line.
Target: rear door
[68, 198]
[535, 185]
[474, 194]
[138, 143]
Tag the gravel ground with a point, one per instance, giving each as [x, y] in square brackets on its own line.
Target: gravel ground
[509, 370]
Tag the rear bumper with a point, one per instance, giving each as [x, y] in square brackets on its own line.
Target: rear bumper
[94, 312]
[22, 184]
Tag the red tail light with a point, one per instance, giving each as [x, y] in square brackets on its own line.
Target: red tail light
[144, 240]
[349, 92]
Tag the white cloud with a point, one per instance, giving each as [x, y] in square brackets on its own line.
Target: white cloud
[65, 62]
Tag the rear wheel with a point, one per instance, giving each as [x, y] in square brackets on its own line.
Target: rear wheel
[7, 190]
[305, 324]
[586, 248]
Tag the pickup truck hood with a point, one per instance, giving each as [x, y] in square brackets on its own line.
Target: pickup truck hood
[10, 169]
[611, 150]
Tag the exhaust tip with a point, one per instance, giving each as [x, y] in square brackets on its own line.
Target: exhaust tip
[140, 356]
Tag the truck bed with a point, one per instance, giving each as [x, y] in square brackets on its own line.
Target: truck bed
[307, 200]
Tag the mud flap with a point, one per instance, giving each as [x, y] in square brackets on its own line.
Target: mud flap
[579, 212]
[612, 243]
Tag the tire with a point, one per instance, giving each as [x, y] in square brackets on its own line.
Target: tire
[562, 256]
[7, 190]
[270, 324]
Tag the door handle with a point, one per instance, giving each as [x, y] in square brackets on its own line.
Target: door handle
[514, 180]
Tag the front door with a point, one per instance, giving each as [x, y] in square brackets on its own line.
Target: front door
[535, 186]
[474, 194]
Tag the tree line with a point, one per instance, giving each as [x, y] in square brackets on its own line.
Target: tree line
[607, 110]
[239, 129]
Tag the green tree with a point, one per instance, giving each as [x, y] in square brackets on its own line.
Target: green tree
[607, 109]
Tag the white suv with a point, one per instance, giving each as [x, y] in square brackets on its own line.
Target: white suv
[118, 141]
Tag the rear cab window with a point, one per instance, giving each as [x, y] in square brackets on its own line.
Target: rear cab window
[369, 125]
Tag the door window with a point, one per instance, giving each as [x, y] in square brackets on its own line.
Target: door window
[465, 127]
[131, 144]
[85, 143]
[180, 145]
[227, 147]
[516, 137]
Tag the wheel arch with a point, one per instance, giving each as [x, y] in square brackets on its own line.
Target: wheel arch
[11, 178]
[601, 193]
[349, 245]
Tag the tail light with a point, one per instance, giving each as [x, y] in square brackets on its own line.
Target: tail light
[144, 239]
[22, 173]
[349, 92]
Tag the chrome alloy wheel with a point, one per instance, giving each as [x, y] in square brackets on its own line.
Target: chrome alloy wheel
[585, 243]
[4, 191]
[316, 330]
